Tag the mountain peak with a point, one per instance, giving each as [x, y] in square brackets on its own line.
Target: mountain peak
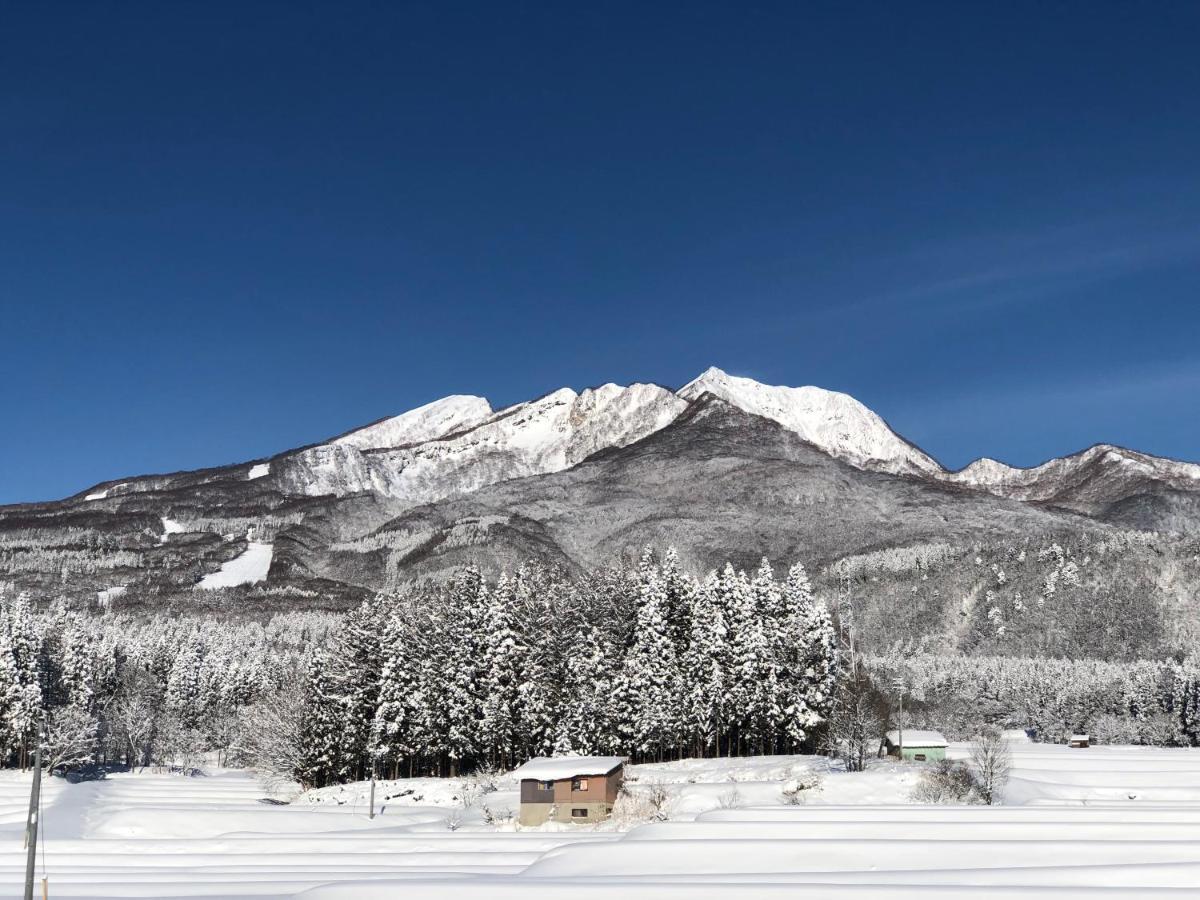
[425, 423]
[835, 422]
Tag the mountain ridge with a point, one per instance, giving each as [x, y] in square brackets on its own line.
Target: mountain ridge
[577, 478]
[358, 459]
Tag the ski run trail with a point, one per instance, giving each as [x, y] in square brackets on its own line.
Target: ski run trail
[1105, 822]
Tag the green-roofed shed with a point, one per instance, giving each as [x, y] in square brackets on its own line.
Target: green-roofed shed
[915, 744]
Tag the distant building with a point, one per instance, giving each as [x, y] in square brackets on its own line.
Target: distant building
[921, 746]
[579, 789]
[1080, 740]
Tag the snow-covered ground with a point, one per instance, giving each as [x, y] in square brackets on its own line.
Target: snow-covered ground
[1103, 822]
[170, 527]
[251, 566]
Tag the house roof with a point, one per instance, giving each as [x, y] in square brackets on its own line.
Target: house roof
[552, 768]
[916, 738]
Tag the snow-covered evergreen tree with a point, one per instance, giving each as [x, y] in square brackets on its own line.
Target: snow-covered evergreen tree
[704, 670]
[504, 661]
[652, 690]
[806, 648]
[393, 730]
[322, 760]
[354, 684]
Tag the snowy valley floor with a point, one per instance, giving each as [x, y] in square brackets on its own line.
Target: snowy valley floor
[1103, 822]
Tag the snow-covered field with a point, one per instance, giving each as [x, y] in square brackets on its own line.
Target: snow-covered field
[1103, 822]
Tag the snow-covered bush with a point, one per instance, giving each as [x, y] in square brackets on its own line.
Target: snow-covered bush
[478, 785]
[947, 781]
[639, 804]
[1114, 729]
[501, 818]
[1161, 730]
[730, 800]
[798, 789]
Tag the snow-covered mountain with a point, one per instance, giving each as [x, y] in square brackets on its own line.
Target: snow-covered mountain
[1086, 482]
[837, 423]
[458, 444]
[725, 467]
[425, 423]
[466, 448]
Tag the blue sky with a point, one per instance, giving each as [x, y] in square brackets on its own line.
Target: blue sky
[229, 229]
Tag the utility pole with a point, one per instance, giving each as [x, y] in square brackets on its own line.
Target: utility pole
[898, 684]
[371, 814]
[31, 825]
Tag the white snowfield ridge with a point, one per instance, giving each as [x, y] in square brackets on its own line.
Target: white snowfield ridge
[458, 444]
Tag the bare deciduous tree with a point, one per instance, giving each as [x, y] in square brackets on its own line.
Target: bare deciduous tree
[991, 758]
[271, 737]
[856, 722]
[70, 737]
[133, 716]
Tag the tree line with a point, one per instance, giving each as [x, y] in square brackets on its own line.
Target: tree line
[1154, 702]
[650, 663]
[642, 660]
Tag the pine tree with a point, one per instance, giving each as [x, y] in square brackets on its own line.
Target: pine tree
[322, 761]
[78, 673]
[704, 670]
[652, 689]
[466, 620]
[13, 712]
[807, 654]
[765, 709]
[582, 725]
[393, 737]
[50, 654]
[503, 674]
[184, 695]
[20, 686]
[745, 648]
[355, 685]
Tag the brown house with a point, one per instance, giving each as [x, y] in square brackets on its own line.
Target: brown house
[579, 789]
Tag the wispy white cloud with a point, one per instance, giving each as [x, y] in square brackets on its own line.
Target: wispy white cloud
[987, 271]
[1059, 407]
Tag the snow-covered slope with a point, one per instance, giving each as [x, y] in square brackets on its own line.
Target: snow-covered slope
[545, 435]
[837, 423]
[433, 420]
[250, 567]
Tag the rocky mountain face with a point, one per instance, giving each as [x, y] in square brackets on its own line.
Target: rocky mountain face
[724, 469]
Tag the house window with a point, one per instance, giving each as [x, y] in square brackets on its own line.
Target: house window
[919, 757]
[579, 784]
[579, 814]
[545, 785]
